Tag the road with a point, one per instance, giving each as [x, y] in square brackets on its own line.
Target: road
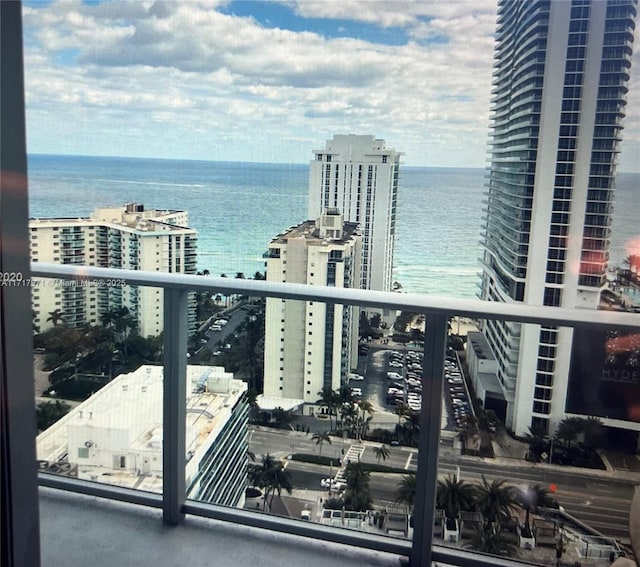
[217, 339]
[598, 500]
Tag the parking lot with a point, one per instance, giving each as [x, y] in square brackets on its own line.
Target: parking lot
[388, 376]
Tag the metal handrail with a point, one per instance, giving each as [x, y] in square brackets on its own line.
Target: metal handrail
[429, 304]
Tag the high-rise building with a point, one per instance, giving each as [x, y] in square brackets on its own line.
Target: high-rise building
[311, 345]
[128, 237]
[359, 176]
[115, 436]
[560, 82]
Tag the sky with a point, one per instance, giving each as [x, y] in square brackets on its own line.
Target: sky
[267, 81]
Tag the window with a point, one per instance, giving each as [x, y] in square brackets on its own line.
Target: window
[541, 407]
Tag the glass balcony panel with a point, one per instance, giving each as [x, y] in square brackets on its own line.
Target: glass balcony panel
[490, 497]
[331, 436]
[376, 431]
[99, 386]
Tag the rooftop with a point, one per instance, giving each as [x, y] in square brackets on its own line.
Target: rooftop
[126, 416]
[309, 231]
[132, 216]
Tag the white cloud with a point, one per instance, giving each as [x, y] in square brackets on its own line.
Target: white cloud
[183, 79]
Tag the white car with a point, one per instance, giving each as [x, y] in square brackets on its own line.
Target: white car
[356, 377]
[331, 484]
[221, 322]
[356, 391]
[394, 376]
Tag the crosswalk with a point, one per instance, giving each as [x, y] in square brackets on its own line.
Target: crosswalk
[353, 455]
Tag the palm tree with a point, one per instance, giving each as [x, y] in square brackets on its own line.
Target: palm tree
[366, 408]
[348, 414]
[320, 437]
[330, 400]
[496, 500]
[406, 491]
[271, 476]
[357, 495]
[535, 436]
[594, 433]
[401, 410]
[532, 498]
[281, 417]
[455, 496]
[568, 430]
[467, 427]
[55, 317]
[277, 478]
[492, 542]
[381, 452]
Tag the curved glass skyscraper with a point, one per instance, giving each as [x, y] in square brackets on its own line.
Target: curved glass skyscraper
[560, 81]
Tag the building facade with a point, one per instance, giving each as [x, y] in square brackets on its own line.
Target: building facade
[311, 345]
[560, 82]
[115, 436]
[128, 237]
[359, 176]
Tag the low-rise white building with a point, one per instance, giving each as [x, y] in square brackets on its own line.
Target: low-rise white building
[116, 435]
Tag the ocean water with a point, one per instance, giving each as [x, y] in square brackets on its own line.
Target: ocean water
[238, 207]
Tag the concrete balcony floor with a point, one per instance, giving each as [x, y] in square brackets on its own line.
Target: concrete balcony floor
[78, 530]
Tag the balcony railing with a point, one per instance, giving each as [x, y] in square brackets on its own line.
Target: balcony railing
[437, 312]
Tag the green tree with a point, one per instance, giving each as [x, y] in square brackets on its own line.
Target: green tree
[536, 438]
[365, 414]
[406, 491]
[47, 413]
[455, 496]
[55, 317]
[402, 410]
[532, 498]
[277, 478]
[348, 415]
[381, 452]
[467, 427]
[492, 541]
[330, 400]
[357, 495]
[271, 476]
[569, 429]
[320, 437]
[595, 434]
[282, 418]
[496, 500]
